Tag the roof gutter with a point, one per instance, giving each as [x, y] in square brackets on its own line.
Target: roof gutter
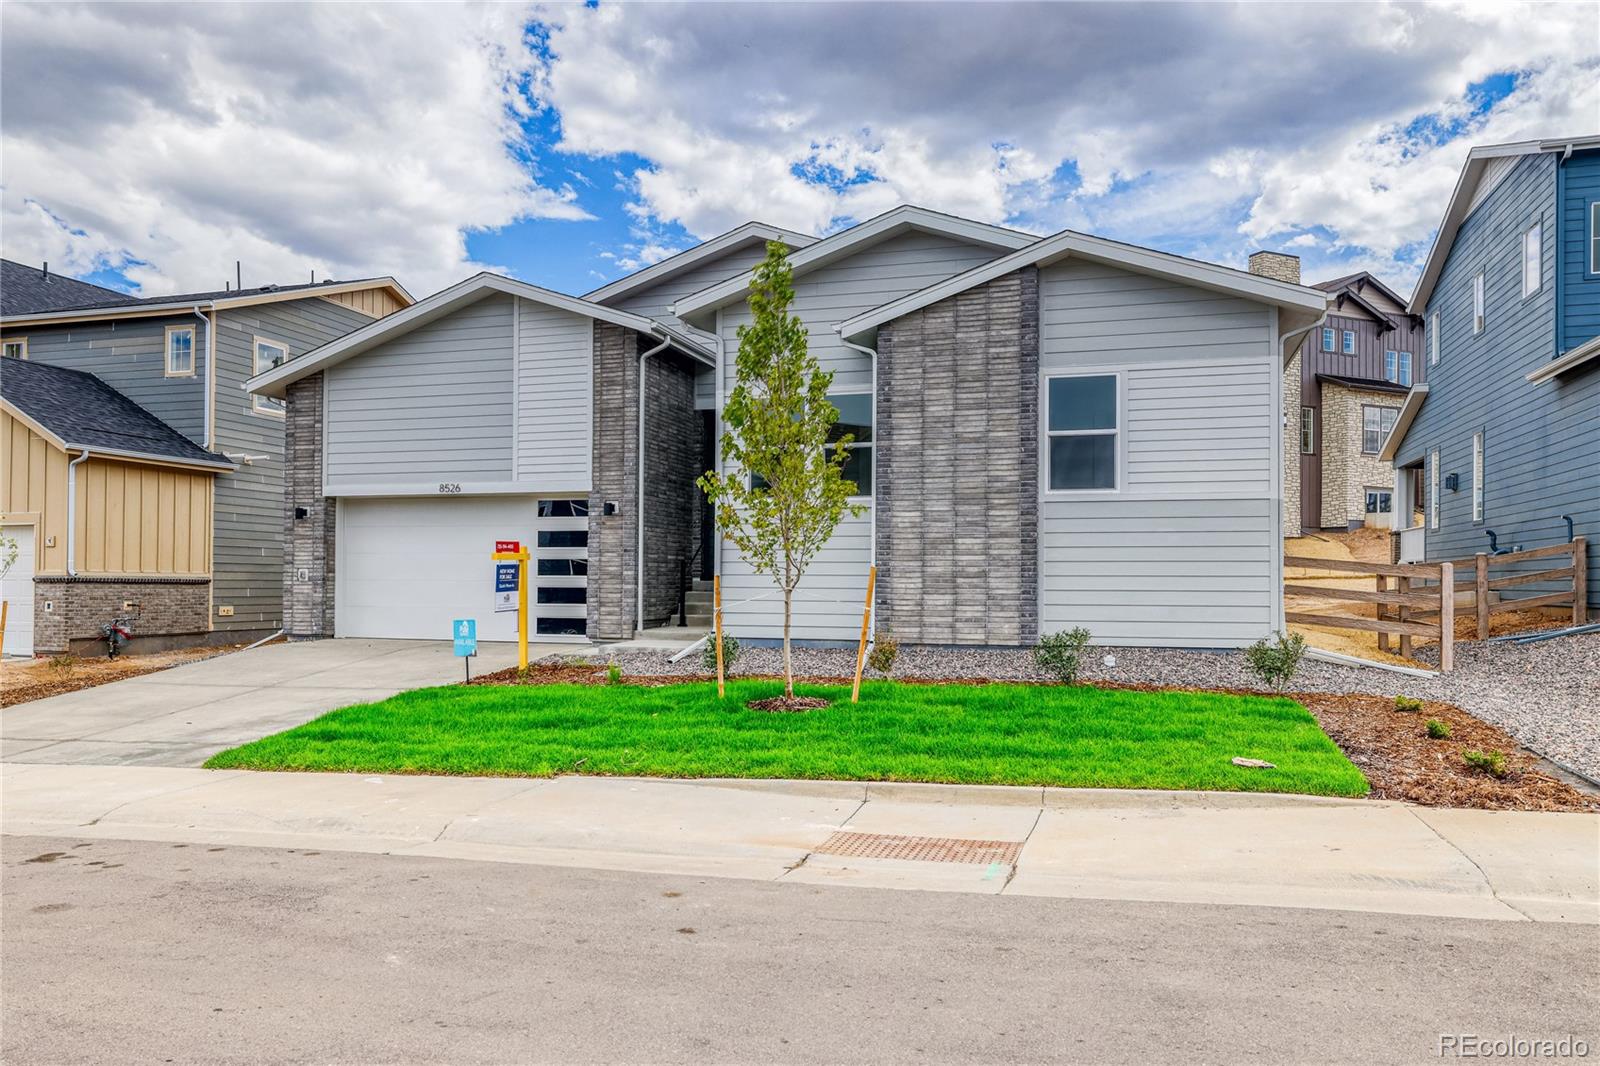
[1294, 337]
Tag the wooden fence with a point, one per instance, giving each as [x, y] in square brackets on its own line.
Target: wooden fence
[1574, 575]
[1413, 606]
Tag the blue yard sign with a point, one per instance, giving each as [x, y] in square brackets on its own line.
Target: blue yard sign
[466, 635]
[505, 586]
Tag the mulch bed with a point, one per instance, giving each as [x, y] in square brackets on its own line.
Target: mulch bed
[790, 704]
[1392, 748]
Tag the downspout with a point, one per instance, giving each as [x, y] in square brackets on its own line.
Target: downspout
[639, 544]
[72, 513]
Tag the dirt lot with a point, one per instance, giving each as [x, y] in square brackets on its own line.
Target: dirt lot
[23, 680]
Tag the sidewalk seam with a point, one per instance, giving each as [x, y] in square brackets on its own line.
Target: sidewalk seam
[1459, 850]
[787, 870]
[1037, 817]
[162, 795]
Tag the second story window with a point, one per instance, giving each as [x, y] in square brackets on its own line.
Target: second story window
[1532, 264]
[1328, 340]
[1391, 366]
[180, 351]
[1433, 339]
[268, 354]
[1403, 376]
[15, 348]
[1376, 422]
[1594, 237]
[1477, 303]
[1349, 342]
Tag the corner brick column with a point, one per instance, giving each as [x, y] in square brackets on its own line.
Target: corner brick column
[958, 468]
[308, 556]
[613, 566]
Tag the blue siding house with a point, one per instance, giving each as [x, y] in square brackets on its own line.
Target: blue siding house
[1504, 438]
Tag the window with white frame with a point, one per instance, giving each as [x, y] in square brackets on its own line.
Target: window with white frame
[15, 348]
[1433, 489]
[1433, 339]
[1328, 339]
[1594, 237]
[855, 421]
[1349, 342]
[180, 351]
[1081, 428]
[268, 354]
[1477, 477]
[1380, 501]
[1308, 430]
[1390, 366]
[1532, 263]
[1477, 303]
[1376, 422]
[1403, 375]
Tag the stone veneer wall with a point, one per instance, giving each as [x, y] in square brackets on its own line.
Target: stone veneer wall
[672, 463]
[958, 468]
[615, 478]
[1291, 447]
[1346, 470]
[308, 556]
[69, 611]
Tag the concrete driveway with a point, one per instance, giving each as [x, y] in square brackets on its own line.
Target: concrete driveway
[183, 716]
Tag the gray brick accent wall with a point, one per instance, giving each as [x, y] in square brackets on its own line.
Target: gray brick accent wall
[173, 612]
[308, 555]
[612, 563]
[672, 463]
[958, 466]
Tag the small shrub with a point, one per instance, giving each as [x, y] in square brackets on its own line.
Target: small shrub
[885, 649]
[1438, 730]
[1275, 661]
[1058, 654]
[1492, 763]
[1408, 704]
[730, 653]
[613, 673]
[63, 664]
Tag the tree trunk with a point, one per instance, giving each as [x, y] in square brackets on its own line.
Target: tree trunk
[788, 664]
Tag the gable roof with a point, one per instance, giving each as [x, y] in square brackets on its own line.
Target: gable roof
[1356, 283]
[274, 382]
[78, 411]
[26, 289]
[1338, 297]
[1484, 160]
[690, 257]
[1306, 305]
[121, 305]
[890, 224]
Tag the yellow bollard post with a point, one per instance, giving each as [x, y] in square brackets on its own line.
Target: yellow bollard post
[716, 594]
[866, 623]
[520, 557]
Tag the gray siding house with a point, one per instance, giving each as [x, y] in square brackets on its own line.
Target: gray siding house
[185, 359]
[1503, 437]
[1050, 432]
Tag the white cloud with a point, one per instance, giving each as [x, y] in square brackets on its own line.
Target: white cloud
[349, 139]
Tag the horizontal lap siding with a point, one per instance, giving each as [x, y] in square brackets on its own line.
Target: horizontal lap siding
[248, 535]
[432, 404]
[1580, 295]
[1540, 440]
[555, 384]
[1185, 554]
[824, 298]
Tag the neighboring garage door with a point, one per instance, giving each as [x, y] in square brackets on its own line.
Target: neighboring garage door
[16, 588]
[409, 567]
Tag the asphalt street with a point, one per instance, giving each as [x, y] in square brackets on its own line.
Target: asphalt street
[124, 952]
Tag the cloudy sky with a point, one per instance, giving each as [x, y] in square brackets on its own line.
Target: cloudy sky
[149, 147]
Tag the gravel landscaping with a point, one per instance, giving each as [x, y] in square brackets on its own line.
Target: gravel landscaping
[1547, 695]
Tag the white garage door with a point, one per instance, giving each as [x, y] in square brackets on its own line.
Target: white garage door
[409, 567]
[16, 588]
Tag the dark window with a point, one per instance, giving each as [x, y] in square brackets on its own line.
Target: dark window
[558, 627]
[563, 538]
[1308, 430]
[855, 419]
[563, 508]
[1379, 501]
[1081, 426]
[563, 567]
[548, 594]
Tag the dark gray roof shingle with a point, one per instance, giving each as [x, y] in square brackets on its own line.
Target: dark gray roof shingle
[81, 409]
[26, 290]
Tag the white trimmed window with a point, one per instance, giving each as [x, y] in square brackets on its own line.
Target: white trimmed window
[1433, 489]
[1477, 477]
[1403, 375]
[268, 354]
[1594, 237]
[1391, 366]
[1081, 431]
[1376, 422]
[1349, 342]
[1433, 339]
[1478, 319]
[1532, 261]
[1380, 501]
[15, 348]
[1308, 430]
[180, 351]
[1328, 338]
[855, 420]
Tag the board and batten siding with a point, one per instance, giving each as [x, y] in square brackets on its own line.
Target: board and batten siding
[248, 566]
[828, 603]
[555, 396]
[1186, 553]
[1540, 439]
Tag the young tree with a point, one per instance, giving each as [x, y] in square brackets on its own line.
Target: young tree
[783, 490]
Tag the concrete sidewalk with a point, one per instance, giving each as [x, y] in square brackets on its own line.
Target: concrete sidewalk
[1173, 847]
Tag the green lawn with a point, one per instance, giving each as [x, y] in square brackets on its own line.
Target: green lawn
[994, 734]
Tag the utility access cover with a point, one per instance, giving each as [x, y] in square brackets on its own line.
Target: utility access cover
[921, 849]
